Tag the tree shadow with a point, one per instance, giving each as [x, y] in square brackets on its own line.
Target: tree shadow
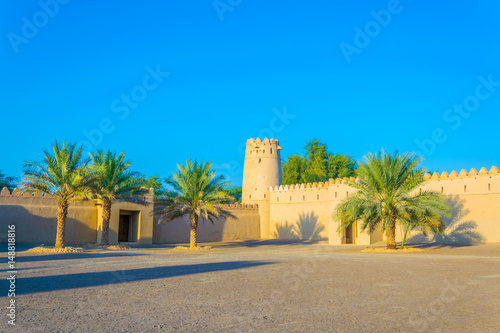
[285, 230]
[39, 284]
[458, 231]
[307, 227]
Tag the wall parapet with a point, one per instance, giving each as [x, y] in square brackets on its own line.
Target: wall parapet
[463, 174]
[241, 206]
[318, 185]
[27, 194]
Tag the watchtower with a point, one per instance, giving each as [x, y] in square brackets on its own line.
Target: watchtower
[262, 169]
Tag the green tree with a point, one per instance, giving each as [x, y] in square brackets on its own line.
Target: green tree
[114, 182]
[340, 166]
[9, 182]
[63, 174]
[197, 192]
[155, 182]
[318, 165]
[387, 196]
[235, 192]
[316, 159]
[294, 169]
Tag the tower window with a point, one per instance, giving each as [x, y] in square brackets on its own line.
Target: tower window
[465, 188]
[442, 189]
[290, 198]
[271, 150]
[420, 190]
[335, 194]
[317, 196]
[304, 197]
[489, 187]
[250, 196]
[260, 160]
[264, 196]
[347, 194]
[278, 199]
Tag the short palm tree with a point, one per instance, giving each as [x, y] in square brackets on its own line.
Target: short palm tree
[387, 196]
[63, 174]
[197, 192]
[114, 182]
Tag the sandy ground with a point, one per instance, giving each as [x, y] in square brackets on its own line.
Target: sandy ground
[261, 286]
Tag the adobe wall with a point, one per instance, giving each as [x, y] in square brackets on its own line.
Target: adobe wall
[246, 226]
[474, 197]
[34, 216]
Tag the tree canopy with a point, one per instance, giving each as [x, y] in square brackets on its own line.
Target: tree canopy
[317, 165]
[9, 182]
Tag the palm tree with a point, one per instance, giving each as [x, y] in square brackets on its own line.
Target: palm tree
[197, 192]
[64, 175]
[114, 182]
[387, 195]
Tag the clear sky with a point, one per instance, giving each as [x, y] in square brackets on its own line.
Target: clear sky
[169, 80]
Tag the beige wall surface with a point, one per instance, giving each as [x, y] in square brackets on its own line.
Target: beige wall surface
[35, 219]
[246, 226]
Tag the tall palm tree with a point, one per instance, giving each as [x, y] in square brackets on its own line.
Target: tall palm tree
[63, 174]
[387, 195]
[114, 182]
[197, 192]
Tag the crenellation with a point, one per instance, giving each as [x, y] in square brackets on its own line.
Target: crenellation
[5, 192]
[473, 172]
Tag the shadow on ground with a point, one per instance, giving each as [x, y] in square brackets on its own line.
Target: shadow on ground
[73, 256]
[82, 280]
[266, 242]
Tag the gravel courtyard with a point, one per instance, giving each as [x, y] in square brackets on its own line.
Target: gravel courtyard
[260, 286]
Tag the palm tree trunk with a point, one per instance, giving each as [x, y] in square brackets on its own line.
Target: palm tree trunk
[404, 239]
[62, 213]
[106, 216]
[194, 229]
[391, 235]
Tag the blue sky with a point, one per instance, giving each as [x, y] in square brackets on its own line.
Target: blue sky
[359, 76]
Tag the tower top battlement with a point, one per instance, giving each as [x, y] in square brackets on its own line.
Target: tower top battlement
[258, 142]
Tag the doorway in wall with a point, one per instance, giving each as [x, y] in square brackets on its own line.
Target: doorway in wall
[123, 228]
[350, 234]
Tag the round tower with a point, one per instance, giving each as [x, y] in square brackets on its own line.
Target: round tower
[262, 169]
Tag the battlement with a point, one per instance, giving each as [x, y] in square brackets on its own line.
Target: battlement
[266, 141]
[28, 194]
[463, 174]
[19, 193]
[318, 185]
[241, 206]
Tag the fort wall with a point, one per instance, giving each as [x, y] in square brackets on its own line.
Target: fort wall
[245, 226]
[474, 197]
[34, 216]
